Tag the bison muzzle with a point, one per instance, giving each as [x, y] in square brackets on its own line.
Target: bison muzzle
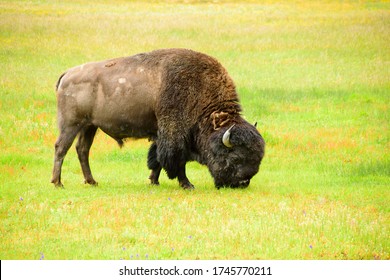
[184, 101]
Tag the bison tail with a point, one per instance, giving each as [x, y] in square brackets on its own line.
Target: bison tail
[59, 81]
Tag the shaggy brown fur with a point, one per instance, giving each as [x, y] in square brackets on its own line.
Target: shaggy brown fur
[182, 99]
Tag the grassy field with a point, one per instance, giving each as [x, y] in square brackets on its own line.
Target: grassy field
[314, 75]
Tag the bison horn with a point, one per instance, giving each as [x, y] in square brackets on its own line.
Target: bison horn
[226, 138]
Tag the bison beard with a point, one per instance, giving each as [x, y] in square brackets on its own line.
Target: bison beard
[184, 100]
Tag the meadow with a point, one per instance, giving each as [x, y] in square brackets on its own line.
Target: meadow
[314, 75]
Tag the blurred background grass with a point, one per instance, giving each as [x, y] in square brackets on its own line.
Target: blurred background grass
[313, 74]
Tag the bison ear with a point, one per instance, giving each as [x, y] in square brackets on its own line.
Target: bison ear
[219, 119]
[255, 125]
[226, 137]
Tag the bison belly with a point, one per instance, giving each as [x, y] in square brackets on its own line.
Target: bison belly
[125, 107]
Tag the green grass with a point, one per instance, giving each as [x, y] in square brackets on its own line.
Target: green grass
[314, 75]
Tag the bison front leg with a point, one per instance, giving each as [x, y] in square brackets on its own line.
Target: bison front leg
[173, 159]
[183, 180]
[83, 146]
[154, 165]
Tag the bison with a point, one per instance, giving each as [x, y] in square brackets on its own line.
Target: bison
[182, 100]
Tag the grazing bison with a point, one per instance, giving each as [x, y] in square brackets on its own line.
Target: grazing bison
[184, 101]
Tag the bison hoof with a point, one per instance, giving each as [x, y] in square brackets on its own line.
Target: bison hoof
[154, 181]
[187, 186]
[58, 185]
[91, 182]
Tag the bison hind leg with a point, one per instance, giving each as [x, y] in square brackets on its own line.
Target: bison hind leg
[62, 145]
[83, 146]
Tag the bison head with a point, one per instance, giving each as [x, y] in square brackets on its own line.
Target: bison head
[235, 154]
